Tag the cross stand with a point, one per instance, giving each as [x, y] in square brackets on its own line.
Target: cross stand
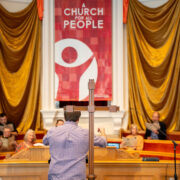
[91, 109]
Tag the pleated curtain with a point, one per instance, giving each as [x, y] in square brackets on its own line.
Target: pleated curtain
[153, 36]
[20, 67]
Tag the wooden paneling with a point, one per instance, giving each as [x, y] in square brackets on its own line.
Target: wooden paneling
[105, 170]
[113, 154]
[23, 171]
[40, 153]
[135, 171]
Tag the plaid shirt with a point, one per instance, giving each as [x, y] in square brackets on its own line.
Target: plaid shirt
[68, 148]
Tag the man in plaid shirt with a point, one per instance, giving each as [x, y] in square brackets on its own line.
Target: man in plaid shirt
[69, 145]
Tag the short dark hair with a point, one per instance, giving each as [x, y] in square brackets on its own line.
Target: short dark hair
[72, 116]
[2, 114]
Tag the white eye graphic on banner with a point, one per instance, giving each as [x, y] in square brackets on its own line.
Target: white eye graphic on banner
[83, 54]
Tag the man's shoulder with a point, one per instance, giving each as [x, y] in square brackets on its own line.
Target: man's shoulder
[79, 132]
[75, 127]
[68, 128]
[147, 130]
[162, 123]
[52, 129]
[82, 130]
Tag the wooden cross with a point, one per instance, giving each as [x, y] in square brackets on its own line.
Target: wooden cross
[91, 109]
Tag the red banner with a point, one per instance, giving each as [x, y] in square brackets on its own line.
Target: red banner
[83, 49]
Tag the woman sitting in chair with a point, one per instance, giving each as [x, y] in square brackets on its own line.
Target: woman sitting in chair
[133, 141]
[29, 140]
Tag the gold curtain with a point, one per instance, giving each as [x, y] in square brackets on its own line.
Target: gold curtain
[153, 36]
[20, 65]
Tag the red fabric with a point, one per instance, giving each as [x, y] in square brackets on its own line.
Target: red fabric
[40, 8]
[161, 147]
[62, 72]
[98, 40]
[125, 10]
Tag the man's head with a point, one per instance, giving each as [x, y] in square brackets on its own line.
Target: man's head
[72, 116]
[59, 122]
[6, 131]
[155, 116]
[3, 118]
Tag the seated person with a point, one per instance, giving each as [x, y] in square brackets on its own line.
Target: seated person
[133, 141]
[156, 130]
[5, 122]
[29, 140]
[7, 140]
[59, 122]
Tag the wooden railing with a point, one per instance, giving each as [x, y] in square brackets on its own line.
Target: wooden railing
[152, 148]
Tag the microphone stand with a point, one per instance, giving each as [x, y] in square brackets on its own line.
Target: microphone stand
[175, 144]
[175, 174]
